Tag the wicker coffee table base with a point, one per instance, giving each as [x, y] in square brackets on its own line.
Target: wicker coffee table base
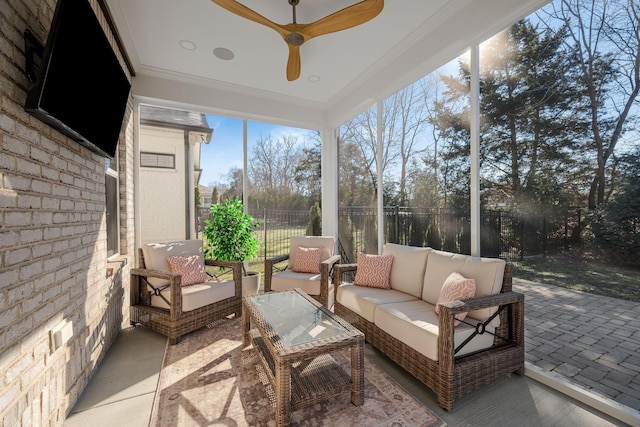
[306, 374]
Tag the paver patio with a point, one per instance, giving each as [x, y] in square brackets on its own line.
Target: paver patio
[593, 341]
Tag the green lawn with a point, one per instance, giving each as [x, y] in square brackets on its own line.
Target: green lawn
[278, 244]
[565, 271]
[581, 275]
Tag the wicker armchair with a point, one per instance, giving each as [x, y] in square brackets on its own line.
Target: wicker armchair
[160, 302]
[319, 286]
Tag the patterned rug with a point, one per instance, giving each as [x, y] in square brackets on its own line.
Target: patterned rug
[209, 379]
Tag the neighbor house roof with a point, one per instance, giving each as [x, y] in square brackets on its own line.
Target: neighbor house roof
[180, 119]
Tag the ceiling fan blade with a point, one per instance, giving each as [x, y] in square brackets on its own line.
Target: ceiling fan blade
[293, 64]
[244, 12]
[348, 17]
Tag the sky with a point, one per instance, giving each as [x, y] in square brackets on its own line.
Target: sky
[224, 152]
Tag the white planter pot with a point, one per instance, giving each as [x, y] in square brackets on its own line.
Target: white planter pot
[251, 283]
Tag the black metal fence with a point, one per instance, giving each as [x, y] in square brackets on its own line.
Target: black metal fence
[277, 226]
[506, 234]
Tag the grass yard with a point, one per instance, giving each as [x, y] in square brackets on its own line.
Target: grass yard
[581, 275]
[277, 244]
[565, 271]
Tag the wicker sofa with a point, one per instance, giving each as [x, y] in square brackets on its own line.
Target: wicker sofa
[160, 302]
[401, 321]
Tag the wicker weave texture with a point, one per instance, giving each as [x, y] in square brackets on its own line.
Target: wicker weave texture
[304, 374]
[173, 322]
[326, 271]
[451, 377]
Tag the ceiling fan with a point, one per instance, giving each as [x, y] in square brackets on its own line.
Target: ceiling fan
[295, 34]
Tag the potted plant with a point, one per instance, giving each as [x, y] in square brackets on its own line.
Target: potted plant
[229, 236]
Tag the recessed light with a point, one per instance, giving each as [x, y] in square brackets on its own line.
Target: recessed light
[313, 78]
[223, 53]
[187, 45]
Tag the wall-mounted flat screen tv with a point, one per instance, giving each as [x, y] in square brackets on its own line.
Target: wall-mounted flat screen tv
[81, 89]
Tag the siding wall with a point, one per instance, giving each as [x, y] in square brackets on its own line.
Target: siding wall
[53, 259]
[163, 192]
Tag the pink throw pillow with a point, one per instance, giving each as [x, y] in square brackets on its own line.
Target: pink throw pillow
[374, 271]
[456, 288]
[307, 260]
[190, 267]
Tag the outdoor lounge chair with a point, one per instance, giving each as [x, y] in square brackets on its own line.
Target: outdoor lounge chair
[161, 302]
[317, 280]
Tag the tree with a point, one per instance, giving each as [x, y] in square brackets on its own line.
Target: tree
[233, 189]
[278, 173]
[359, 136]
[405, 116]
[197, 199]
[616, 225]
[215, 195]
[606, 37]
[409, 113]
[450, 120]
[273, 163]
[426, 187]
[529, 131]
[356, 187]
[308, 172]
[314, 228]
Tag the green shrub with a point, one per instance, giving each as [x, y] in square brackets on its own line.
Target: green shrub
[616, 227]
[230, 233]
[314, 228]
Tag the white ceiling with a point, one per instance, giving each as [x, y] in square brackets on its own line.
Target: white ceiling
[355, 67]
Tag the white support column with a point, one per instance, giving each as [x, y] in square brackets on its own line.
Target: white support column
[380, 199]
[191, 189]
[137, 221]
[329, 171]
[474, 118]
[245, 173]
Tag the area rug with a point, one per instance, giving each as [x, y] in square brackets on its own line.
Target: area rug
[210, 379]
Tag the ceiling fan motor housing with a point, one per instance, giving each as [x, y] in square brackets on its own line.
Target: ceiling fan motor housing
[294, 39]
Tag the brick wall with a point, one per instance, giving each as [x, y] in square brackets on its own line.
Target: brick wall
[53, 257]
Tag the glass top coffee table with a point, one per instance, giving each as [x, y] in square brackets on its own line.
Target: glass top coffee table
[293, 337]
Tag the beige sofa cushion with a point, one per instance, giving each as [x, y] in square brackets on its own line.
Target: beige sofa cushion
[415, 323]
[308, 282]
[155, 255]
[407, 270]
[199, 295]
[487, 273]
[363, 300]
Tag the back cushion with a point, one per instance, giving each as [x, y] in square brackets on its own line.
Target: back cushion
[439, 266]
[487, 273]
[155, 255]
[407, 270]
[326, 243]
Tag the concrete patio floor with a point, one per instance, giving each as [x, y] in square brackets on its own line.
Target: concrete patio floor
[582, 356]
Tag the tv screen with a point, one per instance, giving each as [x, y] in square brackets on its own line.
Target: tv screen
[81, 89]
